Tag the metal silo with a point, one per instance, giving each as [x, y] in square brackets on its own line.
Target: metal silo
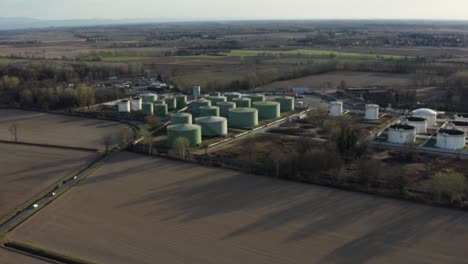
[224, 108]
[212, 126]
[181, 101]
[135, 104]
[267, 110]
[147, 108]
[160, 110]
[124, 106]
[195, 107]
[191, 132]
[243, 102]
[256, 97]
[231, 96]
[209, 111]
[217, 99]
[181, 118]
[243, 117]
[286, 103]
[171, 103]
[149, 97]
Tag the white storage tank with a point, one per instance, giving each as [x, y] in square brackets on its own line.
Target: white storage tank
[124, 106]
[450, 138]
[461, 117]
[461, 125]
[401, 134]
[196, 91]
[135, 104]
[372, 112]
[419, 123]
[428, 114]
[336, 109]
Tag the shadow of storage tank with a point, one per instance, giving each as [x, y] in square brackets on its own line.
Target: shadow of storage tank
[160, 110]
[181, 118]
[195, 106]
[286, 103]
[267, 110]
[243, 102]
[212, 126]
[209, 111]
[191, 132]
[171, 103]
[181, 101]
[224, 108]
[147, 108]
[231, 96]
[243, 117]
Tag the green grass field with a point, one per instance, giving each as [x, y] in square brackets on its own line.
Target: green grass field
[8, 60]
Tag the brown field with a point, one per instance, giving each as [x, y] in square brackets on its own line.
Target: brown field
[352, 79]
[27, 170]
[139, 209]
[35, 127]
[10, 257]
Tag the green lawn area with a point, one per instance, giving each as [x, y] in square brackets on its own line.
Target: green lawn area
[310, 52]
[4, 60]
[124, 58]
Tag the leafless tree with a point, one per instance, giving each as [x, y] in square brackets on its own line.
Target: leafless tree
[14, 131]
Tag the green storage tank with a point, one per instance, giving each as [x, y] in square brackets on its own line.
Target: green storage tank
[149, 97]
[181, 118]
[160, 110]
[181, 101]
[256, 98]
[195, 107]
[171, 103]
[243, 117]
[191, 132]
[267, 110]
[147, 108]
[212, 126]
[231, 96]
[209, 111]
[286, 103]
[224, 108]
[217, 99]
[243, 102]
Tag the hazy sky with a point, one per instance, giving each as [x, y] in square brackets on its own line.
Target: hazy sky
[236, 9]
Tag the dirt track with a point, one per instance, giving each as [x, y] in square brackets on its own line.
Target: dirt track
[35, 127]
[149, 210]
[26, 170]
[10, 257]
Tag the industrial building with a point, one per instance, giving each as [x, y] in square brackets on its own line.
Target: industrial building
[191, 132]
[401, 134]
[243, 117]
[213, 126]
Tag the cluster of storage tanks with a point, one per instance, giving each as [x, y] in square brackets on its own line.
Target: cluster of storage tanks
[452, 137]
[371, 112]
[149, 104]
[215, 114]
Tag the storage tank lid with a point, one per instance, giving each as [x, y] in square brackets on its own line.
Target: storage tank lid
[425, 112]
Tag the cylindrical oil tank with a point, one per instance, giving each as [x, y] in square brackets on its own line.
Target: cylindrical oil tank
[212, 126]
[124, 106]
[217, 99]
[461, 125]
[149, 97]
[147, 108]
[336, 109]
[135, 104]
[181, 118]
[461, 117]
[181, 101]
[267, 110]
[232, 95]
[256, 98]
[243, 102]
[209, 111]
[286, 103]
[372, 112]
[195, 107]
[224, 108]
[453, 139]
[428, 114]
[160, 110]
[191, 132]
[171, 103]
[196, 91]
[243, 117]
[419, 123]
[401, 134]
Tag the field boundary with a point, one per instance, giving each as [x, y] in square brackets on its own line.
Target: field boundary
[48, 145]
[41, 253]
